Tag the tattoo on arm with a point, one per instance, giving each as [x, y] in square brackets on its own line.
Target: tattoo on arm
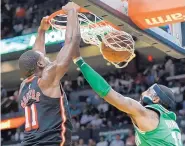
[129, 105]
[124, 99]
[125, 104]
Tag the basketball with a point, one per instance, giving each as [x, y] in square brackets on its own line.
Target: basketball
[117, 40]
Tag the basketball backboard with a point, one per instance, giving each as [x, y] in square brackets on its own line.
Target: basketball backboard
[115, 12]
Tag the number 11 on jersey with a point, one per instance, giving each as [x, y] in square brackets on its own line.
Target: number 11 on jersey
[31, 121]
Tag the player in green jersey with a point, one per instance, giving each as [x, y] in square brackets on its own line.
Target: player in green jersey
[154, 124]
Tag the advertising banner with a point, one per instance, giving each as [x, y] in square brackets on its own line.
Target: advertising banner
[27, 41]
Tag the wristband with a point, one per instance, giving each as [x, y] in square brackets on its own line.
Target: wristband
[98, 84]
[77, 59]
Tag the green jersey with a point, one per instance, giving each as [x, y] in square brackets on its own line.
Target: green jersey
[167, 132]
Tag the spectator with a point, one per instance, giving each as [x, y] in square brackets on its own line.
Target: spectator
[103, 106]
[125, 83]
[18, 28]
[13, 103]
[182, 111]
[19, 135]
[75, 111]
[154, 70]
[169, 66]
[80, 81]
[183, 136]
[109, 124]
[117, 141]
[183, 103]
[97, 122]
[139, 79]
[85, 119]
[102, 142]
[67, 86]
[94, 100]
[16, 94]
[114, 83]
[130, 141]
[182, 123]
[27, 29]
[150, 79]
[91, 142]
[3, 92]
[76, 124]
[161, 71]
[130, 82]
[81, 143]
[75, 143]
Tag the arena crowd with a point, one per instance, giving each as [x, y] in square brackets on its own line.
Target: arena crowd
[91, 113]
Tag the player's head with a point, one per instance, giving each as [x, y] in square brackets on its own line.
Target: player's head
[158, 94]
[31, 62]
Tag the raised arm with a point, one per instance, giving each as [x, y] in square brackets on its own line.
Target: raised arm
[53, 73]
[72, 40]
[103, 89]
[40, 40]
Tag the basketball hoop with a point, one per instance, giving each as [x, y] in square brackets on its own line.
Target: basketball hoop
[94, 30]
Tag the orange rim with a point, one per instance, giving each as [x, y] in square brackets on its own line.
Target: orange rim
[59, 12]
[82, 10]
[103, 23]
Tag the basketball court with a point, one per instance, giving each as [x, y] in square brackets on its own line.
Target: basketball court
[153, 41]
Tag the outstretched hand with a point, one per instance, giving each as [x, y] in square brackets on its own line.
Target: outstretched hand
[44, 25]
[69, 6]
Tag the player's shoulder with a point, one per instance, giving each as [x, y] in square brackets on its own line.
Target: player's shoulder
[49, 70]
[50, 66]
[26, 81]
[162, 110]
[48, 75]
[153, 110]
[157, 107]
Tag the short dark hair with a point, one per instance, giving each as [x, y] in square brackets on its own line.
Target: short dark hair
[28, 62]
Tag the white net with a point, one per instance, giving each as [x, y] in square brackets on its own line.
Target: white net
[95, 30]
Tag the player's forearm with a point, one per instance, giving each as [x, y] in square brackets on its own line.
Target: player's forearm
[40, 41]
[119, 101]
[76, 38]
[98, 84]
[64, 57]
[70, 26]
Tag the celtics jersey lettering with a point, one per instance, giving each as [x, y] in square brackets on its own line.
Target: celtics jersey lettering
[166, 134]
